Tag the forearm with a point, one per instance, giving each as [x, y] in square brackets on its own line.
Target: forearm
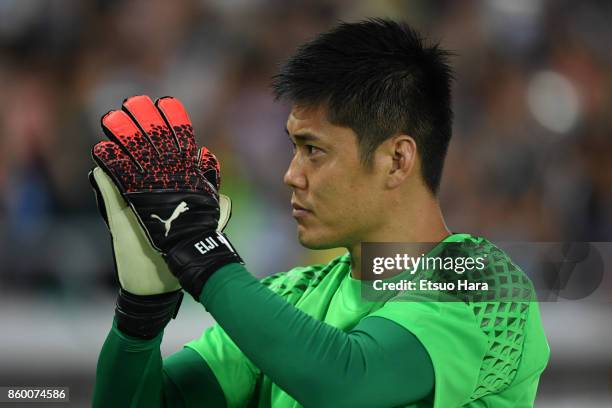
[314, 362]
[129, 372]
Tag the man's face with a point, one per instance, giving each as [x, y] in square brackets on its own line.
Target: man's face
[336, 200]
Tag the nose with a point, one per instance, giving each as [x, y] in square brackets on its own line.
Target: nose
[294, 176]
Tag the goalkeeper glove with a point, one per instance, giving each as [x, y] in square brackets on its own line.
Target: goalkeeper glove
[140, 269]
[171, 186]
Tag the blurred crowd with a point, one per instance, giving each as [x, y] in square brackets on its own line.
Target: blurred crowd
[529, 159]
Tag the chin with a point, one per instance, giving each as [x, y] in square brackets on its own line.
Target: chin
[312, 240]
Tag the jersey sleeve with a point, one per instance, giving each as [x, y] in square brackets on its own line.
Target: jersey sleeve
[129, 372]
[315, 363]
[235, 373]
[456, 345]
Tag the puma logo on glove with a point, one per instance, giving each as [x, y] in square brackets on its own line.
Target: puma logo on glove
[181, 208]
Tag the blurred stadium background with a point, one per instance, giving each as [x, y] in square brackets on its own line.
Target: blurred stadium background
[530, 158]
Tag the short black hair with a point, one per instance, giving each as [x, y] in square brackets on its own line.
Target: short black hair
[379, 78]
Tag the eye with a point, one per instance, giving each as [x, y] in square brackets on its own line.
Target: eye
[312, 150]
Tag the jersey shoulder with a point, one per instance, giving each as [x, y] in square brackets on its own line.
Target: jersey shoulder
[506, 281]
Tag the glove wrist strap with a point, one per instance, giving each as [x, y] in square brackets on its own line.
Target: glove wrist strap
[194, 261]
[146, 316]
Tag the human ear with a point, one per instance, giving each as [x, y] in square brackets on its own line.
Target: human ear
[403, 152]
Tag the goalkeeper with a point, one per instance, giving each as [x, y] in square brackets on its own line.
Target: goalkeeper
[370, 125]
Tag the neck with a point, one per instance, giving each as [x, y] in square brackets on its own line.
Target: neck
[421, 222]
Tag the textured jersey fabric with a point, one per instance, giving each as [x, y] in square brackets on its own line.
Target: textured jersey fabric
[485, 352]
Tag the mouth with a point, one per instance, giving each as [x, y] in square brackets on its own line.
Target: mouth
[299, 211]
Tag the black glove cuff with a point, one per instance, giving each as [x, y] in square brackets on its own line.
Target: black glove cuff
[194, 261]
[146, 316]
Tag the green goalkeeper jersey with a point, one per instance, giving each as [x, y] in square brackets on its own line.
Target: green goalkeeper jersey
[485, 353]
